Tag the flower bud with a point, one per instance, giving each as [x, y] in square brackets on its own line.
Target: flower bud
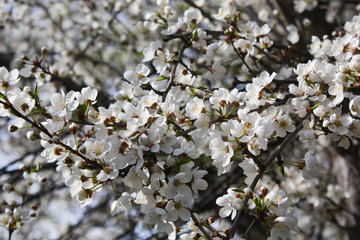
[79, 164]
[249, 193]
[301, 165]
[73, 128]
[34, 207]
[41, 75]
[32, 136]
[43, 50]
[264, 191]
[13, 128]
[22, 167]
[8, 211]
[19, 63]
[82, 149]
[27, 89]
[307, 22]
[68, 161]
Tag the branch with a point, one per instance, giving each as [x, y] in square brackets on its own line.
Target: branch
[278, 102]
[41, 128]
[185, 132]
[197, 223]
[270, 159]
[173, 70]
[205, 90]
[242, 59]
[3, 169]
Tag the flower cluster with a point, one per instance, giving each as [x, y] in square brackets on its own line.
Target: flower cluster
[211, 108]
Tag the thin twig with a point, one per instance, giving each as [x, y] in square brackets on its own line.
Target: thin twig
[3, 169]
[242, 59]
[173, 70]
[42, 129]
[266, 164]
[186, 132]
[278, 102]
[197, 223]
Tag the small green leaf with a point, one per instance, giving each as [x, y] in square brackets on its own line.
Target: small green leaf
[162, 78]
[316, 105]
[255, 201]
[2, 96]
[195, 34]
[282, 171]
[82, 107]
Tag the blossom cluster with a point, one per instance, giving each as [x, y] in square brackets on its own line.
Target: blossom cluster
[183, 112]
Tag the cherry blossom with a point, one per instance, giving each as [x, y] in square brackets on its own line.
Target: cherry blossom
[230, 203]
[148, 111]
[139, 76]
[60, 103]
[8, 78]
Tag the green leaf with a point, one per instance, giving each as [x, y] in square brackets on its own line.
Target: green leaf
[182, 161]
[282, 171]
[2, 96]
[82, 107]
[195, 34]
[162, 78]
[256, 201]
[316, 105]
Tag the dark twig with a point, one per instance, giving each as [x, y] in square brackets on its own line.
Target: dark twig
[197, 223]
[278, 102]
[266, 164]
[243, 59]
[4, 169]
[44, 130]
[173, 70]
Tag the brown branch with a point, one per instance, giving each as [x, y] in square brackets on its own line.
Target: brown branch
[242, 59]
[266, 164]
[207, 91]
[278, 102]
[41, 128]
[184, 45]
[198, 224]
[185, 132]
[3, 169]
